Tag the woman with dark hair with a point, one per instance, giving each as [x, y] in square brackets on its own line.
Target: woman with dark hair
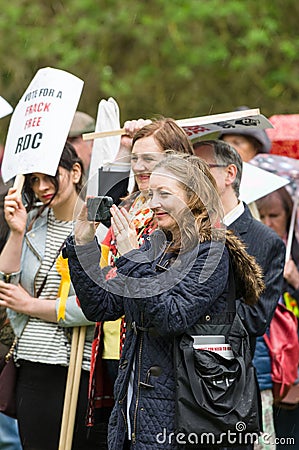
[41, 318]
[276, 211]
[179, 275]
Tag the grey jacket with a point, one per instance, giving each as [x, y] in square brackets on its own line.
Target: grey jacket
[32, 255]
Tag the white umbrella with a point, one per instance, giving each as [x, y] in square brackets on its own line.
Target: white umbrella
[289, 169]
[5, 108]
[257, 183]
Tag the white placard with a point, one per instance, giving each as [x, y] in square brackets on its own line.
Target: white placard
[40, 123]
[257, 183]
[5, 108]
[103, 150]
[236, 121]
[211, 126]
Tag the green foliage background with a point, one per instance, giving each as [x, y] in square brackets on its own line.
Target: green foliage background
[177, 58]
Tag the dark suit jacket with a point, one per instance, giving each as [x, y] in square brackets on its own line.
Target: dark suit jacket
[269, 251]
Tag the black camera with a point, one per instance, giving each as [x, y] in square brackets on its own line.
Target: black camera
[98, 209]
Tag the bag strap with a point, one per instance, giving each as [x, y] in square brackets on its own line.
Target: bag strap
[231, 297]
[29, 228]
[40, 289]
[229, 313]
[9, 354]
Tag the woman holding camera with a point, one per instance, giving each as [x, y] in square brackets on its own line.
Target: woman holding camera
[41, 321]
[179, 274]
[151, 139]
[144, 145]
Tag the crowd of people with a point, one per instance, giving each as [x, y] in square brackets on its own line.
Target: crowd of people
[139, 287]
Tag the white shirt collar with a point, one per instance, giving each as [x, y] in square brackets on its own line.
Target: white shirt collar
[234, 214]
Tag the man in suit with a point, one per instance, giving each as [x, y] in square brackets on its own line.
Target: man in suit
[261, 242]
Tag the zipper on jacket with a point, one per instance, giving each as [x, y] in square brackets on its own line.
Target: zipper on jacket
[122, 411]
[32, 248]
[125, 419]
[138, 385]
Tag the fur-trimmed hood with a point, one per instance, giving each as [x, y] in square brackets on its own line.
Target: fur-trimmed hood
[248, 273]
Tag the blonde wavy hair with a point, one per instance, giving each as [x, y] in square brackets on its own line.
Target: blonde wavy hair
[201, 220]
[204, 211]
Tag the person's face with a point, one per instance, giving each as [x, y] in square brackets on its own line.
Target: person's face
[274, 216]
[167, 199]
[146, 153]
[83, 150]
[244, 147]
[219, 173]
[44, 188]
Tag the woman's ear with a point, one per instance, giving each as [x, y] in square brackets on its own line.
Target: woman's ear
[76, 173]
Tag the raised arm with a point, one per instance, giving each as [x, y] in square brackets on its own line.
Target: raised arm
[100, 299]
[131, 127]
[16, 217]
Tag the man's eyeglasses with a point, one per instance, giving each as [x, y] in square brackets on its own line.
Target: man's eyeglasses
[212, 166]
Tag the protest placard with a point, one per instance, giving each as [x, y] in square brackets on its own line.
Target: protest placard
[212, 125]
[235, 121]
[40, 123]
[5, 108]
[104, 150]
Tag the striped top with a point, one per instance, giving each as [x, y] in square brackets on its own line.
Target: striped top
[47, 342]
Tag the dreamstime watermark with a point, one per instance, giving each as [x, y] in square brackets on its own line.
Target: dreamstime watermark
[238, 436]
[268, 439]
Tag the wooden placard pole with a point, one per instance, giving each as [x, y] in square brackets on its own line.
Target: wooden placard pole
[292, 227]
[203, 120]
[75, 390]
[18, 183]
[72, 389]
[68, 389]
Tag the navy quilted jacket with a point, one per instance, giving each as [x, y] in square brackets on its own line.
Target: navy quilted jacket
[160, 299]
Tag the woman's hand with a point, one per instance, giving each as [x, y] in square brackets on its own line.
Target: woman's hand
[131, 127]
[16, 298]
[124, 230]
[291, 274]
[15, 212]
[84, 230]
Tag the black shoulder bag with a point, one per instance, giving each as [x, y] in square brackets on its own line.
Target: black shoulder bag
[217, 400]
